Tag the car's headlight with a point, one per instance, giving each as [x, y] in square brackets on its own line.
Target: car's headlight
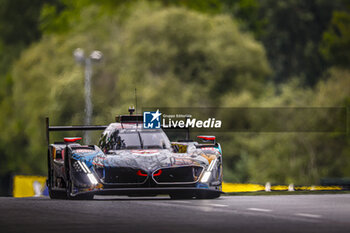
[205, 177]
[207, 173]
[82, 167]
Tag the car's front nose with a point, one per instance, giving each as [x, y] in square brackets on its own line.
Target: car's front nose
[135, 181]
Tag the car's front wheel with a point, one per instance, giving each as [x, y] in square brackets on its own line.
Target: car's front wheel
[54, 194]
[85, 196]
[69, 187]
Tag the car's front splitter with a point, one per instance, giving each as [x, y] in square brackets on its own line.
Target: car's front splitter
[150, 191]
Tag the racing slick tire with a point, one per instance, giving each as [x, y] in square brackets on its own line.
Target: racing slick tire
[69, 196]
[53, 194]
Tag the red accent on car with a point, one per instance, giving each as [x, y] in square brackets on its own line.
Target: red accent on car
[75, 139]
[207, 138]
[141, 173]
[157, 173]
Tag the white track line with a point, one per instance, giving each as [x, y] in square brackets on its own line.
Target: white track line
[260, 210]
[308, 215]
[218, 205]
[184, 202]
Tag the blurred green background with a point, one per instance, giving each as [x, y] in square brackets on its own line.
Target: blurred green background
[178, 53]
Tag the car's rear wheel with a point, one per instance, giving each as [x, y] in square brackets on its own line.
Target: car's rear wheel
[53, 194]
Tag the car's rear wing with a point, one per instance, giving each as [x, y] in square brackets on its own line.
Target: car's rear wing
[136, 118]
[70, 128]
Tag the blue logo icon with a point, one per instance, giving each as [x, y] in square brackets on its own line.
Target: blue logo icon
[151, 120]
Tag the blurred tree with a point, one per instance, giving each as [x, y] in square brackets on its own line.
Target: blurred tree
[293, 157]
[204, 6]
[177, 53]
[292, 34]
[336, 40]
[170, 54]
[19, 21]
[247, 12]
[209, 53]
[19, 27]
[61, 17]
[290, 30]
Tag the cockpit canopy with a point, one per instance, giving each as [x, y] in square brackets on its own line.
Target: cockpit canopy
[136, 138]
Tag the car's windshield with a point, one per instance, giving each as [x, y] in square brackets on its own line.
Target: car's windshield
[126, 141]
[151, 140]
[138, 140]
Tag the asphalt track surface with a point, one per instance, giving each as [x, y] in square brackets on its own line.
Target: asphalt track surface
[286, 213]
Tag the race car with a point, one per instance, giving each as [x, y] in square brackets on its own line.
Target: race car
[134, 161]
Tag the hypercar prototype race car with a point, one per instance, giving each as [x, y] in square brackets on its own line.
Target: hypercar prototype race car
[133, 161]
